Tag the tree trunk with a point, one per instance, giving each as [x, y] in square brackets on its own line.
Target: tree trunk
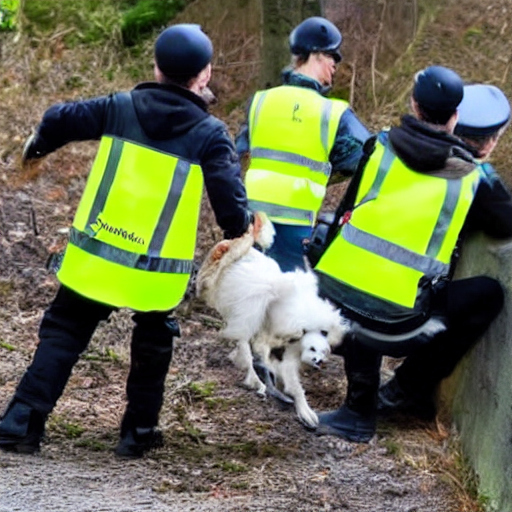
[279, 17]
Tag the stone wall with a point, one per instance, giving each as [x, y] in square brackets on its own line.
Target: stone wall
[479, 393]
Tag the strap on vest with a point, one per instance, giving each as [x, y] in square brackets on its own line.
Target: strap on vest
[106, 183]
[276, 210]
[127, 258]
[292, 158]
[179, 179]
[376, 245]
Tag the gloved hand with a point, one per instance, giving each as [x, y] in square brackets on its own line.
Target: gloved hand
[33, 150]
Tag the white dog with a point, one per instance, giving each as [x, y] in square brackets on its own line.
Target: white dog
[266, 309]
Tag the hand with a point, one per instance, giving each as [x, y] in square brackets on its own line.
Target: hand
[33, 151]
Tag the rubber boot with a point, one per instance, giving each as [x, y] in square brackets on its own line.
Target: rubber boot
[356, 419]
[21, 428]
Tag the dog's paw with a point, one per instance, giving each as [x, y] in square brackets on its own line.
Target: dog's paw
[252, 382]
[308, 417]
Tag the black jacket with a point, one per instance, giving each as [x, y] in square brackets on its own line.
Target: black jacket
[172, 119]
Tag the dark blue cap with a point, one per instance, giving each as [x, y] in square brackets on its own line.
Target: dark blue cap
[483, 111]
[183, 50]
[438, 89]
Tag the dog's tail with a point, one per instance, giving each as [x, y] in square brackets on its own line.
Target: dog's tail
[226, 252]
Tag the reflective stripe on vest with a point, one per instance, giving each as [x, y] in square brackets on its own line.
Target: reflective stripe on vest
[404, 228]
[133, 237]
[292, 131]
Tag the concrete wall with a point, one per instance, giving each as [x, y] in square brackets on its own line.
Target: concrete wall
[479, 393]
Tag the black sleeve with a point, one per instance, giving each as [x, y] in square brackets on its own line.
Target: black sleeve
[72, 121]
[491, 211]
[224, 185]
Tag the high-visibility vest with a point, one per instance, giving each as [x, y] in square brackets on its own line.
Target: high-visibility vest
[134, 233]
[403, 229]
[291, 133]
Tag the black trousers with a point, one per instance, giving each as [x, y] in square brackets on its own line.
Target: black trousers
[468, 306]
[65, 331]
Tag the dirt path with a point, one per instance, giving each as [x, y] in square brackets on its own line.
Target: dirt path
[225, 449]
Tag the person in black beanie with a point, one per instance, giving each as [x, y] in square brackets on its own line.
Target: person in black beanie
[133, 237]
[390, 266]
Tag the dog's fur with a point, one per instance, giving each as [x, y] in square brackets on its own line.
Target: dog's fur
[266, 309]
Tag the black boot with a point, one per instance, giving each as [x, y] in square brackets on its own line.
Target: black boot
[21, 428]
[151, 355]
[393, 399]
[356, 419]
[347, 424]
[137, 441]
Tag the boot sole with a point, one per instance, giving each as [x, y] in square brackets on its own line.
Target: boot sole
[19, 448]
[353, 437]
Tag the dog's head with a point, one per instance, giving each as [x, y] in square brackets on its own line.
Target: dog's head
[315, 348]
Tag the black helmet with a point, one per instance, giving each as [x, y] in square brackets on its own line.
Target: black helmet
[316, 34]
[182, 51]
[438, 90]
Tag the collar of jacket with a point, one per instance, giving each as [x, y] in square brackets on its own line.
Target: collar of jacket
[430, 151]
[290, 77]
[182, 91]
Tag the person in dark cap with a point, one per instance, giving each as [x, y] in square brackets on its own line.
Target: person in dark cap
[295, 137]
[389, 266]
[133, 237]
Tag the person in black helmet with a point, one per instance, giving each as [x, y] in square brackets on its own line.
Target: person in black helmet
[295, 137]
[132, 241]
[390, 266]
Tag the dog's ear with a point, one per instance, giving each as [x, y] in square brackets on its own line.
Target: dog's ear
[220, 249]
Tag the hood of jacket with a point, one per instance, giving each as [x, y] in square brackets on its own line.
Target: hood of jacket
[166, 111]
[430, 151]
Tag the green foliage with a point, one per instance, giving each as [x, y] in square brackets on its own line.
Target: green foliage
[87, 21]
[201, 390]
[7, 346]
[99, 21]
[8, 14]
[145, 16]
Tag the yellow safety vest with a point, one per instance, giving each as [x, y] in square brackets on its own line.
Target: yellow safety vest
[404, 227]
[134, 233]
[291, 133]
